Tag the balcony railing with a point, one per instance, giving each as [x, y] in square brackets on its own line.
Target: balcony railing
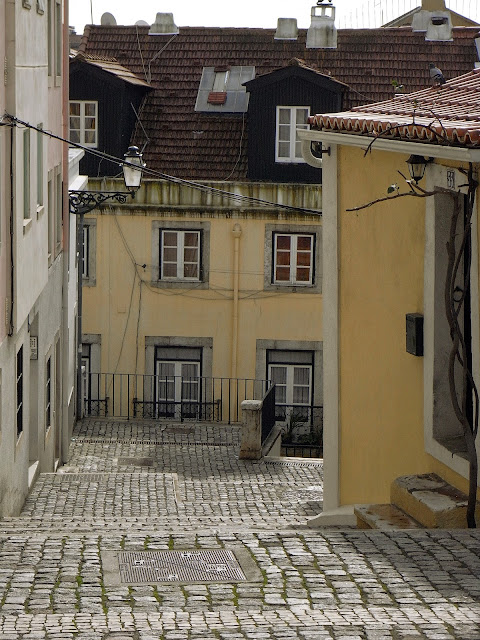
[128, 395]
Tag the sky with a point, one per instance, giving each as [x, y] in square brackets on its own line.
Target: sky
[250, 13]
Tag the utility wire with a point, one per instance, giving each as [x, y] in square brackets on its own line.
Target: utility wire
[9, 120]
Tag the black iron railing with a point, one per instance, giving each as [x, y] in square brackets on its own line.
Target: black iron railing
[268, 413]
[128, 395]
[302, 426]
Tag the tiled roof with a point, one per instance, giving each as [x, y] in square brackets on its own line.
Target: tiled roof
[207, 146]
[447, 114]
[111, 65]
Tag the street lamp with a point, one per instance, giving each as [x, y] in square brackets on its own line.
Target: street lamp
[416, 166]
[82, 202]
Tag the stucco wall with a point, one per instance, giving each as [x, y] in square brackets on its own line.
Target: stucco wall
[381, 279]
[113, 308]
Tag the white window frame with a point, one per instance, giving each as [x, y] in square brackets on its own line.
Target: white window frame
[293, 139]
[294, 253]
[82, 117]
[180, 255]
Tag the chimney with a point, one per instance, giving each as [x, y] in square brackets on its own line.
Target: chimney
[163, 25]
[322, 33]
[286, 29]
[435, 20]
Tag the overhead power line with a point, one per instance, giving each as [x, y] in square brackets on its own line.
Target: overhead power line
[9, 120]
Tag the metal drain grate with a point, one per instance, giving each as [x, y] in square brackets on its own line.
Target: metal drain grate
[196, 566]
[296, 462]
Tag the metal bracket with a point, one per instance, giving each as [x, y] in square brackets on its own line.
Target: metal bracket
[81, 202]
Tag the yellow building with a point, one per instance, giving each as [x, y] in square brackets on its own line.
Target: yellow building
[183, 295]
[388, 412]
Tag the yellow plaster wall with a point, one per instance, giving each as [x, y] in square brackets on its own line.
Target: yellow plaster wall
[381, 251]
[111, 308]
[381, 280]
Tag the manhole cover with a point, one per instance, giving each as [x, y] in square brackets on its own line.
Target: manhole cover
[182, 566]
[135, 462]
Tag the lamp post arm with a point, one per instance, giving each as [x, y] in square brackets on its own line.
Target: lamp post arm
[81, 202]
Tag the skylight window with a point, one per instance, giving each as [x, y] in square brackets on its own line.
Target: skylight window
[221, 90]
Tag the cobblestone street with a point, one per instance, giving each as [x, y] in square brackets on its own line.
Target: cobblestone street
[145, 487]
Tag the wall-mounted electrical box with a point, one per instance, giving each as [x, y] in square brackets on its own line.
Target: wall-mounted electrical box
[414, 333]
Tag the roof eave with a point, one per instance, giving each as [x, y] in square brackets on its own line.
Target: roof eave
[461, 154]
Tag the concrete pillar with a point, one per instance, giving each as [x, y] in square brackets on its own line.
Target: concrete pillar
[251, 447]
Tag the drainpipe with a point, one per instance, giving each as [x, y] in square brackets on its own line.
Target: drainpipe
[237, 232]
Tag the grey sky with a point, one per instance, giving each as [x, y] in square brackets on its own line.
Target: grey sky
[250, 13]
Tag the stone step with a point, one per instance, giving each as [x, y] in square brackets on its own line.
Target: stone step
[431, 501]
[383, 516]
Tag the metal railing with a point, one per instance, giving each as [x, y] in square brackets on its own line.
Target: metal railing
[130, 395]
[268, 413]
[302, 425]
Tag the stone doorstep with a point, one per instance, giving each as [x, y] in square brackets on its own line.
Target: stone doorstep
[383, 516]
[431, 501]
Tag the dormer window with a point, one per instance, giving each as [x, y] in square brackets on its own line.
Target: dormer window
[288, 147]
[221, 89]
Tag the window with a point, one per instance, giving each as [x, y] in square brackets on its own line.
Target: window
[58, 41]
[26, 174]
[88, 253]
[48, 394]
[83, 122]
[288, 145]
[221, 89]
[51, 216]
[85, 248]
[179, 255]
[177, 378]
[58, 210]
[39, 167]
[19, 389]
[293, 258]
[292, 373]
[50, 37]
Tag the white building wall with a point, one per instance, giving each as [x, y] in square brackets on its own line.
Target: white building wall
[43, 298]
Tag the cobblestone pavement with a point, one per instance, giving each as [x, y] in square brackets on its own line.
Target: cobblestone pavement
[139, 488]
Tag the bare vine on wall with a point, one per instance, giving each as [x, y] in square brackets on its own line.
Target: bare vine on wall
[463, 390]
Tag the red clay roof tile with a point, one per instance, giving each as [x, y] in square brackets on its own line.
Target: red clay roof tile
[448, 114]
[366, 60]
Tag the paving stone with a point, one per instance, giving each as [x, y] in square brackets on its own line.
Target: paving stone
[333, 583]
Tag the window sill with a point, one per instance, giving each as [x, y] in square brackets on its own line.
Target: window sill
[293, 288]
[27, 223]
[179, 284]
[40, 210]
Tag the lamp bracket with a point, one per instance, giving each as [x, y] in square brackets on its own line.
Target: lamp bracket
[319, 150]
[81, 202]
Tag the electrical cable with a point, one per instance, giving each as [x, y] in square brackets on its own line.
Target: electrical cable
[13, 121]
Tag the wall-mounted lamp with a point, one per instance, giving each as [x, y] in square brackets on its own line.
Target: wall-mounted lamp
[82, 202]
[416, 167]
